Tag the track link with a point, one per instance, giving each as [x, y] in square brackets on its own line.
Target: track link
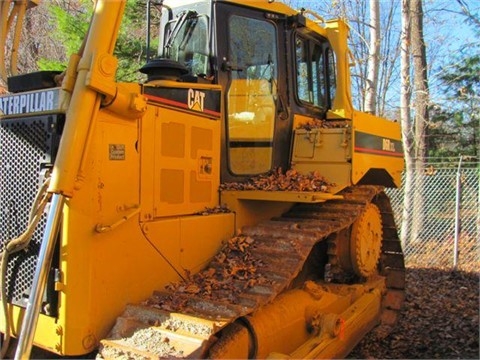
[181, 322]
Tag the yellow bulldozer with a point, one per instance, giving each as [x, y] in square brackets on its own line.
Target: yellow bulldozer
[231, 205]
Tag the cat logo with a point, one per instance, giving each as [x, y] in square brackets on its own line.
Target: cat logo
[196, 100]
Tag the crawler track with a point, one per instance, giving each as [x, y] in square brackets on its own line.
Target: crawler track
[249, 273]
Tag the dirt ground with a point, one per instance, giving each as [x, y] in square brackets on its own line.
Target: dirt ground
[440, 319]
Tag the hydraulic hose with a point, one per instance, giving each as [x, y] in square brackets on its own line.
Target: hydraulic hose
[15, 245]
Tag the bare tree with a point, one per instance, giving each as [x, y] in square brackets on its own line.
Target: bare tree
[413, 49]
[373, 59]
[474, 18]
[421, 92]
[421, 98]
[389, 72]
[407, 134]
[386, 47]
[35, 38]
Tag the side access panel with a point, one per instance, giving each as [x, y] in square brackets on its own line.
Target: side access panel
[327, 151]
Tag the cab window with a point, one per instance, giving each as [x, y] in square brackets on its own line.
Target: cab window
[315, 72]
[186, 41]
[332, 80]
[252, 91]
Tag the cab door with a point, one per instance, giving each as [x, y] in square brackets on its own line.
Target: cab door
[250, 66]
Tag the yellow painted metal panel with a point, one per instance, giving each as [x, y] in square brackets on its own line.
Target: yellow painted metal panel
[101, 274]
[200, 191]
[186, 160]
[250, 212]
[164, 235]
[102, 271]
[202, 237]
[172, 139]
[171, 185]
[337, 33]
[202, 139]
[290, 196]
[49, 332]
[95, 64]
[108, 257]
[358, 319]
[147, 149]
[327, 151]
[376, 145]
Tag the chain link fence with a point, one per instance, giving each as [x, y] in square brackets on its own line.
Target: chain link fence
[445, 226]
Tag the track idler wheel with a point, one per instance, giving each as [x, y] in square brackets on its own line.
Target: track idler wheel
[358, 250]
[366, 241]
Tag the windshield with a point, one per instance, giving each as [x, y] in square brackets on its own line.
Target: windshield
[186, 41]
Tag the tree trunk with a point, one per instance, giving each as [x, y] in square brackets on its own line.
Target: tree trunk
[421, 109]
[373, 58]
[421, 81]
[407, 136]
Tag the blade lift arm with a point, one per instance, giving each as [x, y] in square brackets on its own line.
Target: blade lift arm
[12, 13]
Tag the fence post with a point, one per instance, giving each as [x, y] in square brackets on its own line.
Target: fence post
[458, 225]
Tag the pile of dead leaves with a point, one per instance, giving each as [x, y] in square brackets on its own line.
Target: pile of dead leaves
[439, 253]
[221, 209]
[440, 319]
[276, 180]
[233, 270]
[322, 124]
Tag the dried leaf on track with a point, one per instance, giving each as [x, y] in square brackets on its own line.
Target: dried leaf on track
[237, 265]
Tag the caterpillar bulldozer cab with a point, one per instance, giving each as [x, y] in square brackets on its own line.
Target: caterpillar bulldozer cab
[230, 206]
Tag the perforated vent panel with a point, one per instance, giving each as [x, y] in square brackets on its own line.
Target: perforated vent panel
[27, 149]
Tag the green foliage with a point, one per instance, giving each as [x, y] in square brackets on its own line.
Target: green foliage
[72, 26]
[463, 79]
[455, 127]
[130, 49]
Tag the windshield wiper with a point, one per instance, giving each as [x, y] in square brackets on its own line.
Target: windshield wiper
[182, 18]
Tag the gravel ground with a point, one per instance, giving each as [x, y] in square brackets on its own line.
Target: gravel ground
[440, 319]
